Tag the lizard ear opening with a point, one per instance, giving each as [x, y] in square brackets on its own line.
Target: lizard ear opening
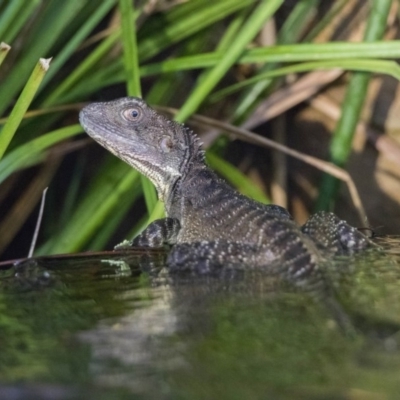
[166, 144]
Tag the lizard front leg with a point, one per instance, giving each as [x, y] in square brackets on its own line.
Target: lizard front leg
[157, 234]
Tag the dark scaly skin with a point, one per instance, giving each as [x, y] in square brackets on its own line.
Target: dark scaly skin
[209, 224]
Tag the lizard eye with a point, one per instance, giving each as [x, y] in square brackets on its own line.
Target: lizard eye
[133, 114]
[166, 144]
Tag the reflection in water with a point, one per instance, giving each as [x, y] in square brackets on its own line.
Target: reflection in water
[128, 351]
[101, 326]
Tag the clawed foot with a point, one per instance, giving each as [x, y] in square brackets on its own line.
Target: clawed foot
[124, 245]
[335, 235]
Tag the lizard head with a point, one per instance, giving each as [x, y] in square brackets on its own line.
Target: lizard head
[154, 145]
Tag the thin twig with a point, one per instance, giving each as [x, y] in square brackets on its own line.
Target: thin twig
[50, 110]
[38, 223]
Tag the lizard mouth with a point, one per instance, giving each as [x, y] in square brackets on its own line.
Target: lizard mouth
[88, 117]
[109, 137]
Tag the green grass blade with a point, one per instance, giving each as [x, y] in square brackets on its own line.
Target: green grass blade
[14, 18]
[289, 33]
[72, 191]
[284, 53]
[111, 186]
[324, 51]
[232, 31]
[131, 63]
[246, 34]
[8, 16]
[175, 29]
[22, 104]
[68, 48]
[84, 68]
[54, 18]
[376, 66]
[297, 20]
[111, 223]
[379, 12]
[149, 193]
[23, 155]
[130, 50]
[151, 43]
[226, 40]
[341, 143]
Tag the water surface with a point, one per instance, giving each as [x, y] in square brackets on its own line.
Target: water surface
[95, 329]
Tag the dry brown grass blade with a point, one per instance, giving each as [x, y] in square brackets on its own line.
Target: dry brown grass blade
[252, 137]
[383, 143]
[291, 95]
[97, 37]
[310, 84]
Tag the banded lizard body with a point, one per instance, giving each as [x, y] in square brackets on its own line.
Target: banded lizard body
[210, 224]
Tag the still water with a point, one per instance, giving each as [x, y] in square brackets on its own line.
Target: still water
[95, 329]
